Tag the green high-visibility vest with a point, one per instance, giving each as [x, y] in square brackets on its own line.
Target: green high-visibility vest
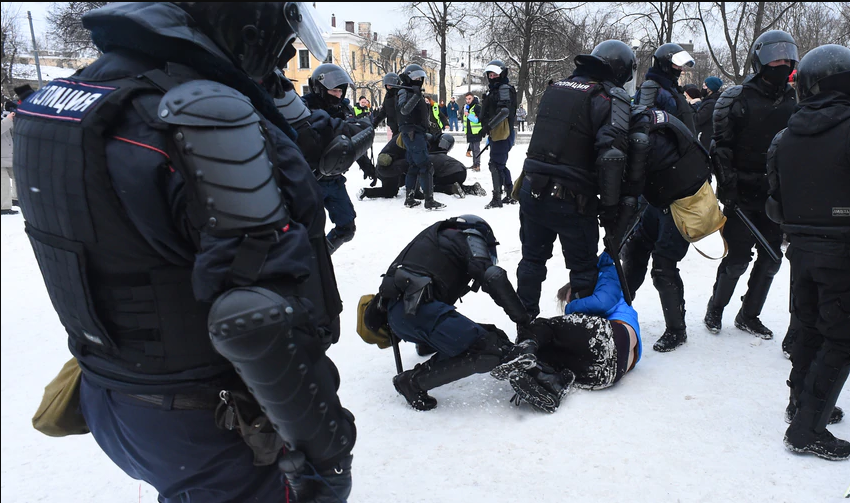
[475, 127]
[435, 108]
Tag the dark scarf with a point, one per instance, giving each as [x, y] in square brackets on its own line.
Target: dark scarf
[663, 79]
[125, 34]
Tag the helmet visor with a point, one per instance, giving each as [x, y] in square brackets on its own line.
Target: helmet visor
[683, 59]
[334, 78]
[417, 74]
[777, 51]
[493, 68]
[300, 18]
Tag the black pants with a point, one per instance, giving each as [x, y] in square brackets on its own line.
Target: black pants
[821, 296]
[389, 187]
[655, 235]
[444, 183]
[741, 243]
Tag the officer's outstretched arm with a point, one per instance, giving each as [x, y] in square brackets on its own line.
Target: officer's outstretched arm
[494, 280]
[267, 333]
[407, 101]
[773, 206]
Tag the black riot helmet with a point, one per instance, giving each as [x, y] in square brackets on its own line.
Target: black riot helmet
[257, 36]
[771, 46]
[825, 68]
[613, 58]
[496, 66]
[329, 76]
[391, 79]
[671, 54]
[475, 225]
[412, 73]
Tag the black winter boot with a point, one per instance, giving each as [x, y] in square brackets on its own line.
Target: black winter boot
[496, 202]
[713, 317]
[808, 433]
[541, 386]
[410, 201]
[329, 486]
[672, 294]
[752, 325]
[428, 188]
[521, 356]
[474, 190]
[405, 383]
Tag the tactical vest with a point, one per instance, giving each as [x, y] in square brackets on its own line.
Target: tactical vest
[423, 255]
[763, 118]
[490, 105]
[818, 195]
[563, 133]
[666, 182]
[127, 310]
[685, 112]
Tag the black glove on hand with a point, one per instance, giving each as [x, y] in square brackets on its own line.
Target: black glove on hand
[728, 195]
[608, 216]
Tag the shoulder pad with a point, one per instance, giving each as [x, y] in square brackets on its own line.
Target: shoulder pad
[728, 97]
[477, 244]
[206, 103]
[620, 94]
[774, 145]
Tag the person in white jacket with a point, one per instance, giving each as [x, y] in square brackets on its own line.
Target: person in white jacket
[6, 175]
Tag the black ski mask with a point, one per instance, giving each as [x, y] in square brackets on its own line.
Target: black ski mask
[776, 75]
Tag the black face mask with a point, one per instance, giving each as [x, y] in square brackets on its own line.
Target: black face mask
[776, 75]
[703, 93]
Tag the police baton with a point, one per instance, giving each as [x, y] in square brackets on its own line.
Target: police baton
[396, 352]
[610, 248]
[475, 158]
[760, 239]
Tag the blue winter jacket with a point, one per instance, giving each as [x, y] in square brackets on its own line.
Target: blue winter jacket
[607, 299]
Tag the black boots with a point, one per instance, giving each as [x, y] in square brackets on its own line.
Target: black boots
[713, 317]
[405, 383]
[520, 357]
[672, 295]
[496, 202]
[752, 325]
[474, 190]
[541, 386]
[329, 486]
[410, 201]
[428, 189]
[808, 433]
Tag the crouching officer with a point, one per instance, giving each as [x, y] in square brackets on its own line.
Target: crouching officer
[173, 184]
[418, 294]
[577, 152]
[331, 144]
[812, 206]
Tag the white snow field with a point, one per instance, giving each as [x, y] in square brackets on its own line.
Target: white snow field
[701, 424]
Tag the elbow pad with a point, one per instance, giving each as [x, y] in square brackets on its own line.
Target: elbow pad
[342, 151]
[500, 116]
[292, 108]
[497, 285]
[648, 93]
[410, 99]
[639, 147]
[609, 167]
[223, 153]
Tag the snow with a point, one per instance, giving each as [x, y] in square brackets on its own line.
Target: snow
[703, 423]
[48, 73]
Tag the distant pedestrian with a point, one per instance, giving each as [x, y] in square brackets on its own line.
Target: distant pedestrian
[521, 115]
[453, 110]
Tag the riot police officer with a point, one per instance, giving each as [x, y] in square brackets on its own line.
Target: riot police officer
[746, 118]
[418, 294]
[676, 166]
[577, 152]
[328, 86]
[661, 88]
[413, 123]
[498, 105]
[811, 201]
[175, 184]
[387, 110]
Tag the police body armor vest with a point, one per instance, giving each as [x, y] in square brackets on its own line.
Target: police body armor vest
[818, 195]
[122, 304]
[666, 183]
[564, 137]
[424, 256]
[763, 118]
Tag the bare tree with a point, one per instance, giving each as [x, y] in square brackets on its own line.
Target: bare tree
[653, 22]
[442, 19]
[13, 43]
[740, 24]
[813, 24]
[66, 23]
[404, 46]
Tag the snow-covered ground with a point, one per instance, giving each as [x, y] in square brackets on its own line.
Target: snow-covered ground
[48, 73]
[701, 424]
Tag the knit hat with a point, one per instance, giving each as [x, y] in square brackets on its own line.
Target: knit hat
[713, 84]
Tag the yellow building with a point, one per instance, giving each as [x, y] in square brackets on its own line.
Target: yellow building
[363, 56]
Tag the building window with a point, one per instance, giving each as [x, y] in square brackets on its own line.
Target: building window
[303, 58]
[353, 60]
[305, 90]
[330, 58]
[371, 67]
